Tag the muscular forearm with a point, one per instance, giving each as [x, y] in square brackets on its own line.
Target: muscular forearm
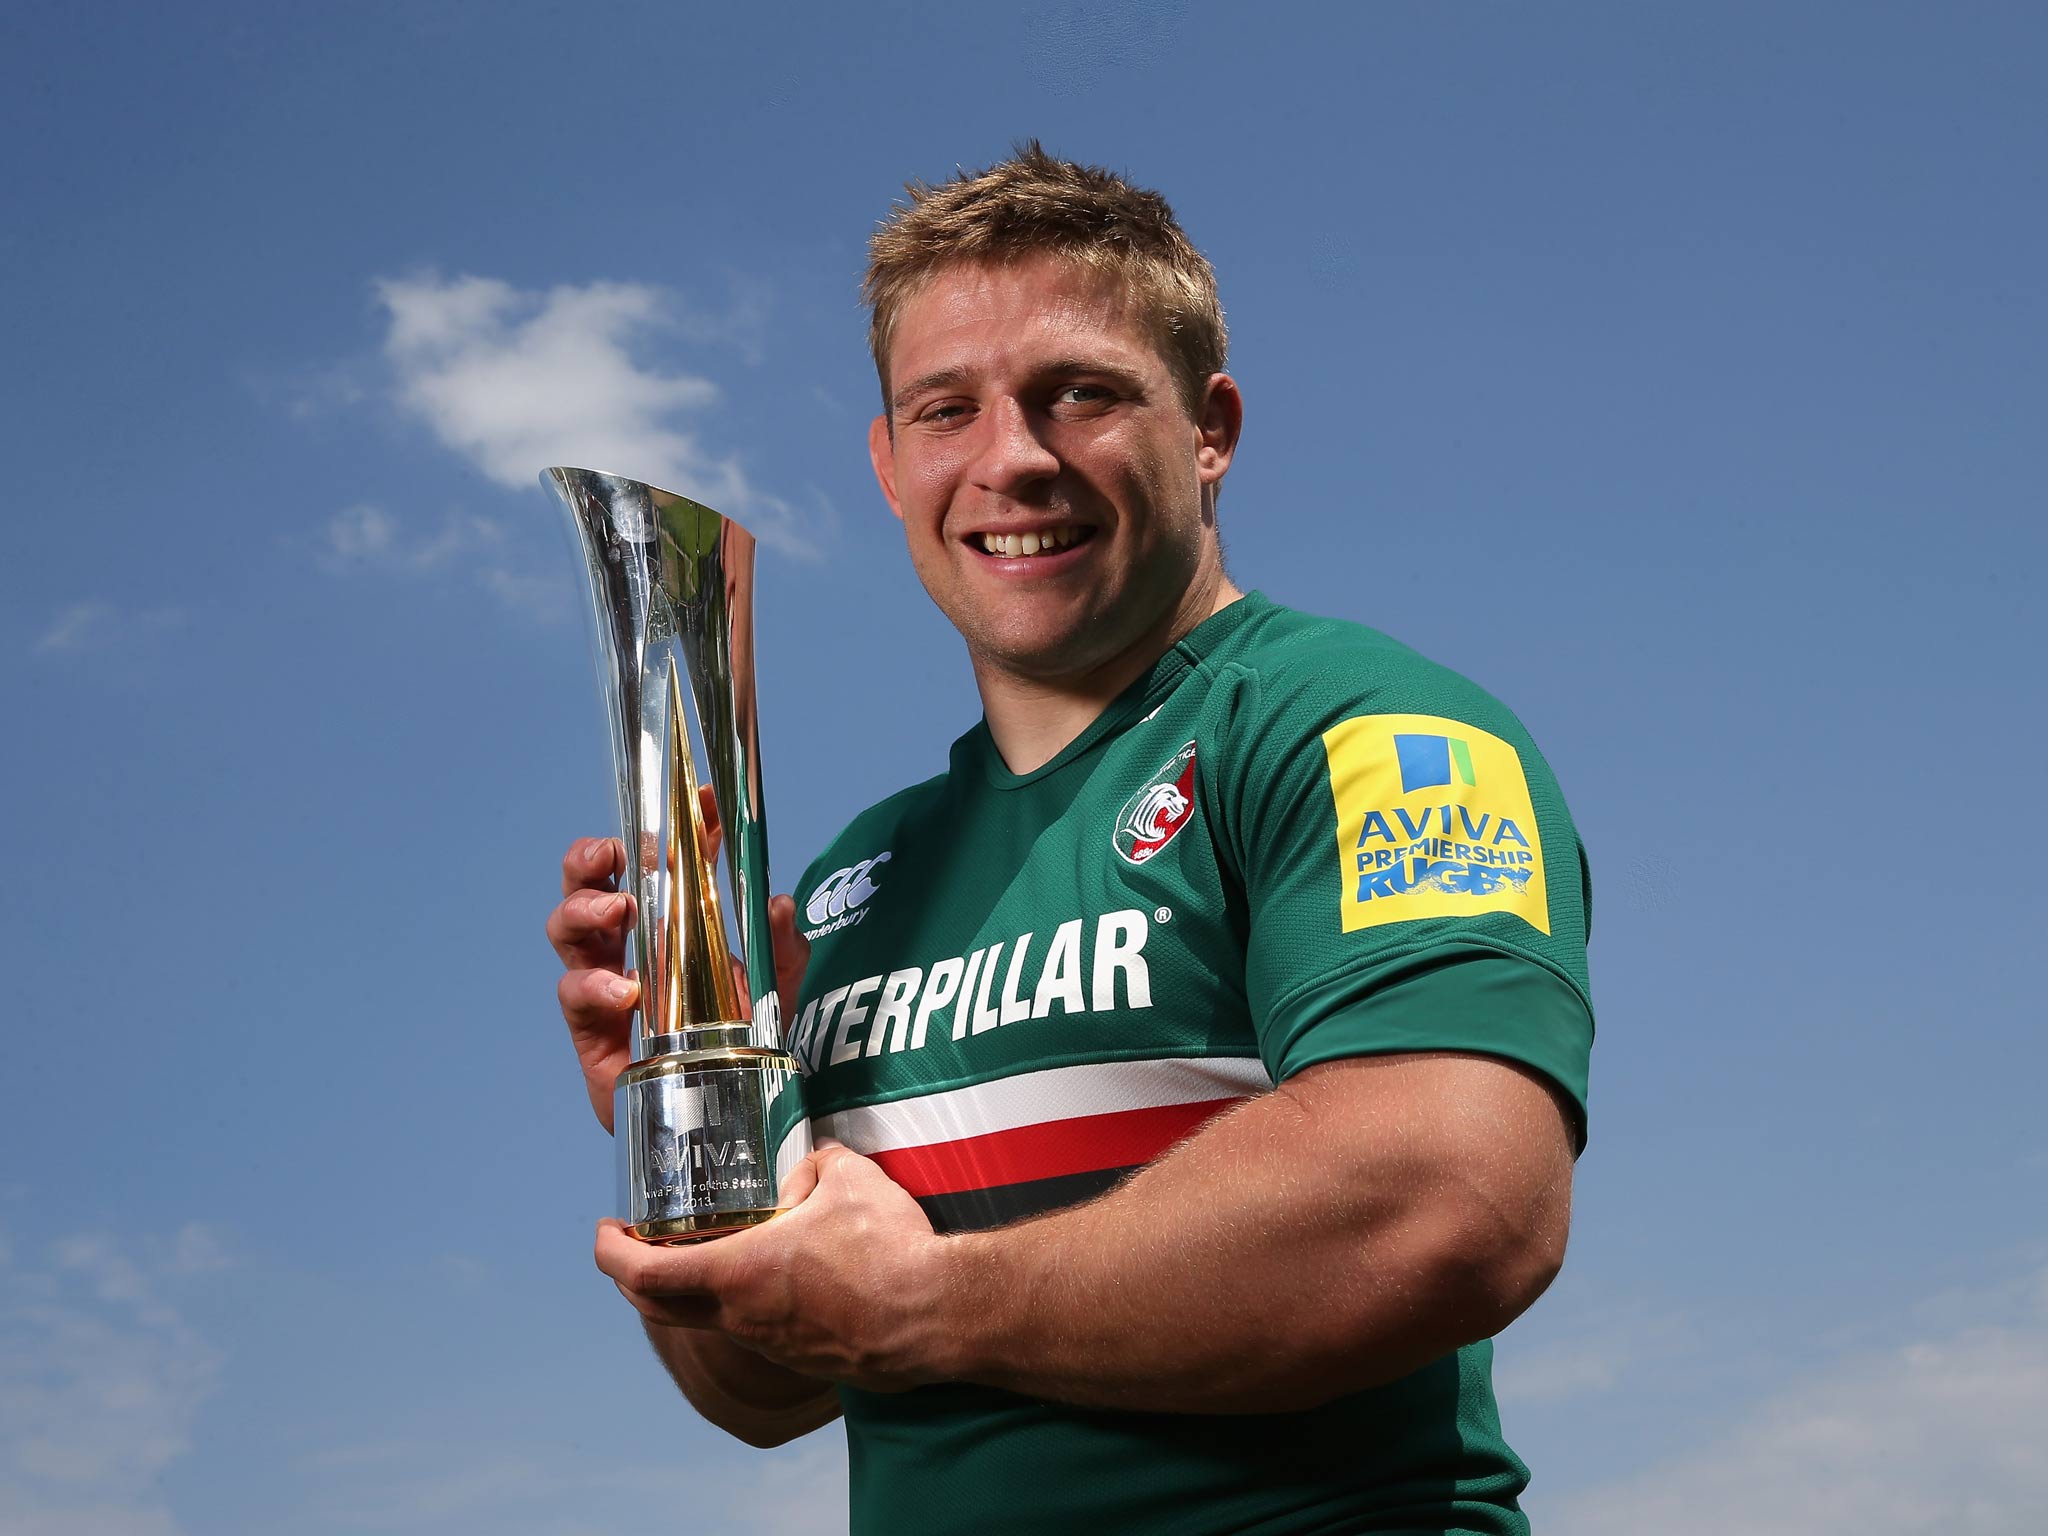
[1309, 1243]
[744, 1395]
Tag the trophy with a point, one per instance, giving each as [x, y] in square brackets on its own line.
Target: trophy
[708, 1118]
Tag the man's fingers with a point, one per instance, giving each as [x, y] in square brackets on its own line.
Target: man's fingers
[803, 1178]
[835, 1160]
[589, 928]
[675, 1311]
[647, 1268]
[592, 863]
[598, 1002]
[656, 1280]
[714, 830]
[587, 932]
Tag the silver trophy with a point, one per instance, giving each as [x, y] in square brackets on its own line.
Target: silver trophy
[708, 1118]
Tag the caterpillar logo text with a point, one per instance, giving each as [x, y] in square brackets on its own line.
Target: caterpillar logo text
[837, 900]
[1086, 966]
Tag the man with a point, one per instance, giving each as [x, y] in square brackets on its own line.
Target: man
[1205, 1051]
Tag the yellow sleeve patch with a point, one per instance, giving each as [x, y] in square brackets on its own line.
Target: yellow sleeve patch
[1433, 820]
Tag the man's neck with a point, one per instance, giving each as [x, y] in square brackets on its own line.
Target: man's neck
[1032, 720]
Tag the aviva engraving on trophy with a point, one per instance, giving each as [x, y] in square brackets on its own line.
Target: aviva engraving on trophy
[709, 1118]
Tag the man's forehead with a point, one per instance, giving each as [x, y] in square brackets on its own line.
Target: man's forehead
[987, 307]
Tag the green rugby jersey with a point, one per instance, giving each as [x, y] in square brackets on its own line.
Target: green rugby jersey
[1292, 840]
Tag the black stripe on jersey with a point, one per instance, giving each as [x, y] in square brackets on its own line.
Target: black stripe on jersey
[976, 1210]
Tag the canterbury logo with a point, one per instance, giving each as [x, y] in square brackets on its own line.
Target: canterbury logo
[843, 890]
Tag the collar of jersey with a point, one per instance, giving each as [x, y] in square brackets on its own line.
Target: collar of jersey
[1158, 680]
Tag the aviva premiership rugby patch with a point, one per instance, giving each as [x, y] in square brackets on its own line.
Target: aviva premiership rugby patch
[1159, 809]
[1433, 820]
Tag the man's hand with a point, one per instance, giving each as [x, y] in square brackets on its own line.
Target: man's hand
[588, 932]
[848, 1287]
[733, 1387]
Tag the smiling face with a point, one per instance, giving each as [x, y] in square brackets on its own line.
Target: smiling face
[1057, 497]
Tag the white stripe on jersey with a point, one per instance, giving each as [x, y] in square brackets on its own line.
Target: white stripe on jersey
[1034, 1098]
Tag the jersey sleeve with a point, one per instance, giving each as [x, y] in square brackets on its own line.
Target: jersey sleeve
[1413, 881]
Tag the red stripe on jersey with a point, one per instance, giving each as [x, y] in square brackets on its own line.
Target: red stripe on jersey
[1046, 1150]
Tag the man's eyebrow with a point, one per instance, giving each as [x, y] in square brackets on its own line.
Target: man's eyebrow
[948, 378]
[1126, 377]
[939, 378]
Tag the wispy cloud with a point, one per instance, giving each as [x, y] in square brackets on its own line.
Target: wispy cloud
[359, 535]
[101, 1379]
[368, 538]
[515, 380]
[321, 392]
[807, 1495]
[419, 1487]
[1932, 1436]
[1598, 1355]
[99, 625]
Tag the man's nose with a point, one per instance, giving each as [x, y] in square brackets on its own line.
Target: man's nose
[1013, 454]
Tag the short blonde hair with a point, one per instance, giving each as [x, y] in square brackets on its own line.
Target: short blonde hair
[1037, 204]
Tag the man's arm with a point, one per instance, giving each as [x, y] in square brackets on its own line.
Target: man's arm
[736, 1389]
[1362, 1220]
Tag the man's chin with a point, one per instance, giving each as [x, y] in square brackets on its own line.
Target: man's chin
[1049, 658]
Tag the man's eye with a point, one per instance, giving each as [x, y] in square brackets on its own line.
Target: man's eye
[1082, 394]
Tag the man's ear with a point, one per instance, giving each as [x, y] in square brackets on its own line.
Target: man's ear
[1218, 424]
[882, 454]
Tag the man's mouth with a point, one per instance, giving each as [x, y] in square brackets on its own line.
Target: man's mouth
[1043, 541]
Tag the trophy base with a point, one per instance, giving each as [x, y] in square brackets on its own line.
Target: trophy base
[706, 1139]
[698, 1229]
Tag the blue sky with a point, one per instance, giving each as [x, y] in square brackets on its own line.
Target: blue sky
[1677, 373]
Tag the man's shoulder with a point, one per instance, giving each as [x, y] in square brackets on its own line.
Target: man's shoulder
[870, 835]
[906, 805]
[1310, 671]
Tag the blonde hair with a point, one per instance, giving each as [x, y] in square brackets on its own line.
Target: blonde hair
[1037, 204]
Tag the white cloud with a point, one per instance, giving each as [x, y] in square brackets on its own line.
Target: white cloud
[1556, 1374]
[1534, 1363]
[807, 1494]
[98, 625]
[318, 393]
[1936, 1436]
[197, 1250]
[545, 596]
[420, 1487]
[365, 537]
[101, 1380]
[77, 628]
[516, 381]
[360, 534]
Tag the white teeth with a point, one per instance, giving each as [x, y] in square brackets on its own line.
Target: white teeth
[1012, 546]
